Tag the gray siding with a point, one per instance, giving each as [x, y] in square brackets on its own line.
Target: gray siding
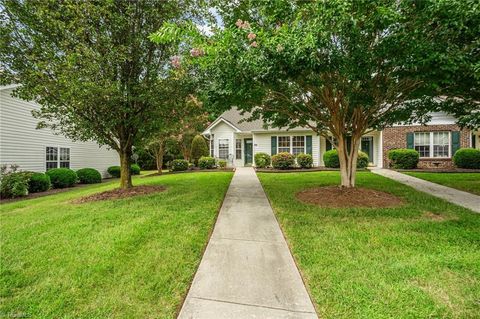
[22, 144]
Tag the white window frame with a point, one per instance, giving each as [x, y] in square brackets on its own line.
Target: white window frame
[238, 149]
[228, 148]
[58, 161]
[291, 143]
[431, 145]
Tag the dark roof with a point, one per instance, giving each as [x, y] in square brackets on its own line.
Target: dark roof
[239, 120]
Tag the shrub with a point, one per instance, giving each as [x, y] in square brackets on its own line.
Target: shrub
[135, 169]
[283, 160]
[89, 176]
[403, 158]
[198, 149]
[179, 165]
[262, 160]
[362, 160]
[222, 163]
[62, 177]
[206, 162]
[38, 182]
[14, 184]
[304, 160]
[467, 158]
[114, 171]
[330, 158]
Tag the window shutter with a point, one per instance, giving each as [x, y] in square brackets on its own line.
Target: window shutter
[328, 144]
[274, 145]
[410, 139]
[474, 145]
[455, 141]
[308, 144]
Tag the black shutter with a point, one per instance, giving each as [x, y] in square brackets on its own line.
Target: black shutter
[273, 145]
[410, 140]
[309, 144]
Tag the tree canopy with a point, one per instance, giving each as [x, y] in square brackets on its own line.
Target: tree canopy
[93, 69]
[341, 68]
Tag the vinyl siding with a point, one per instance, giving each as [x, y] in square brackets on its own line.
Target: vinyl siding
[224, 131]
[22, 144]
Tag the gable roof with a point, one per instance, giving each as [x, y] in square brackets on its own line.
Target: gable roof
[236, 120]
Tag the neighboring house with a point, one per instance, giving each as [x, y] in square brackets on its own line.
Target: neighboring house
[236, 140]
[40, 149]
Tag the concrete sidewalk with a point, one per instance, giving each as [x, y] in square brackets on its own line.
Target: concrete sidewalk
[452, 195]
[247, 270]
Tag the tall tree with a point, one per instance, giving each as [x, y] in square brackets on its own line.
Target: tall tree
[339, 67]
[92, 67]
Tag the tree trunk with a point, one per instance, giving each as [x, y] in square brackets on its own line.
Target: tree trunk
[348, 160]
[125, 174]
[159, 157]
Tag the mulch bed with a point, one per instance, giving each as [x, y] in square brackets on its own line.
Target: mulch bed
[298, 170]
[192, 170]
[439, 170]
[121, 193]
[337, 197]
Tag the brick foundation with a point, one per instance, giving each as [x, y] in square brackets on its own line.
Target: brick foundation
[396, 137]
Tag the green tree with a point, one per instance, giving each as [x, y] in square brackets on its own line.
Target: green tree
[92, 67]
[339, 67]
[199, 148]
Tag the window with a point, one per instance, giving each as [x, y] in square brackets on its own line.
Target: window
[441, 144]
[212, 146]
[52, 157]
[57, 157]
[291, 144]
[283, 144]
[432, 144]
[329, 146]
[298, 145]
[238, 149]
[223, 148]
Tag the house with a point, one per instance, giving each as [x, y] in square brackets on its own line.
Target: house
[41, 149]
[237, 141]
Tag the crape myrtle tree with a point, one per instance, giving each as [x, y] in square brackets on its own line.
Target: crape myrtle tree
[341, 68]
[92, 67]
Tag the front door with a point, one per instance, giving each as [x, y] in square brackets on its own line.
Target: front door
[367, 147]
[248, 148]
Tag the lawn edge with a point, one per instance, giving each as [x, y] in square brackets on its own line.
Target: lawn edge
[210, 233]
[302, 276]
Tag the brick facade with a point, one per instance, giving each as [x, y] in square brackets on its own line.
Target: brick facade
[396, 137]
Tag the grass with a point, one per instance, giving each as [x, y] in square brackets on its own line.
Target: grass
[128, 258]
[420, 260]
[468, 182]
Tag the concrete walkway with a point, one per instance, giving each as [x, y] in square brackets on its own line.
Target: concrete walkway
[247, 270]
[452, 195]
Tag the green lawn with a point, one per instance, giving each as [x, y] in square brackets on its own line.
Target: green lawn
[468, 182]
[128, 258]
[381, 263]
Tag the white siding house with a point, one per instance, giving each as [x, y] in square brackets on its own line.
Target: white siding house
[37, 149]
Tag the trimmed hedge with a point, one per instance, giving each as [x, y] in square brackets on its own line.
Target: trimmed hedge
[330, 159]
[179, 165]
[283, 160]
[467, 158]
[89, 176]
[62, 177]
[262, 160]
[114, 171]
[206, 162]
[362, 160]
[304, 160]
[403, 158]
[14, 184]
[39, 182]
[222, 163]
[135, 169]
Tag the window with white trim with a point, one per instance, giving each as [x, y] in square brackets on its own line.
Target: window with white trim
[212, 146]
[238, 148]
[298, 145]
[223, 148]
[57, 157]
[291, 144]
[283, 144]
[432, 144]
